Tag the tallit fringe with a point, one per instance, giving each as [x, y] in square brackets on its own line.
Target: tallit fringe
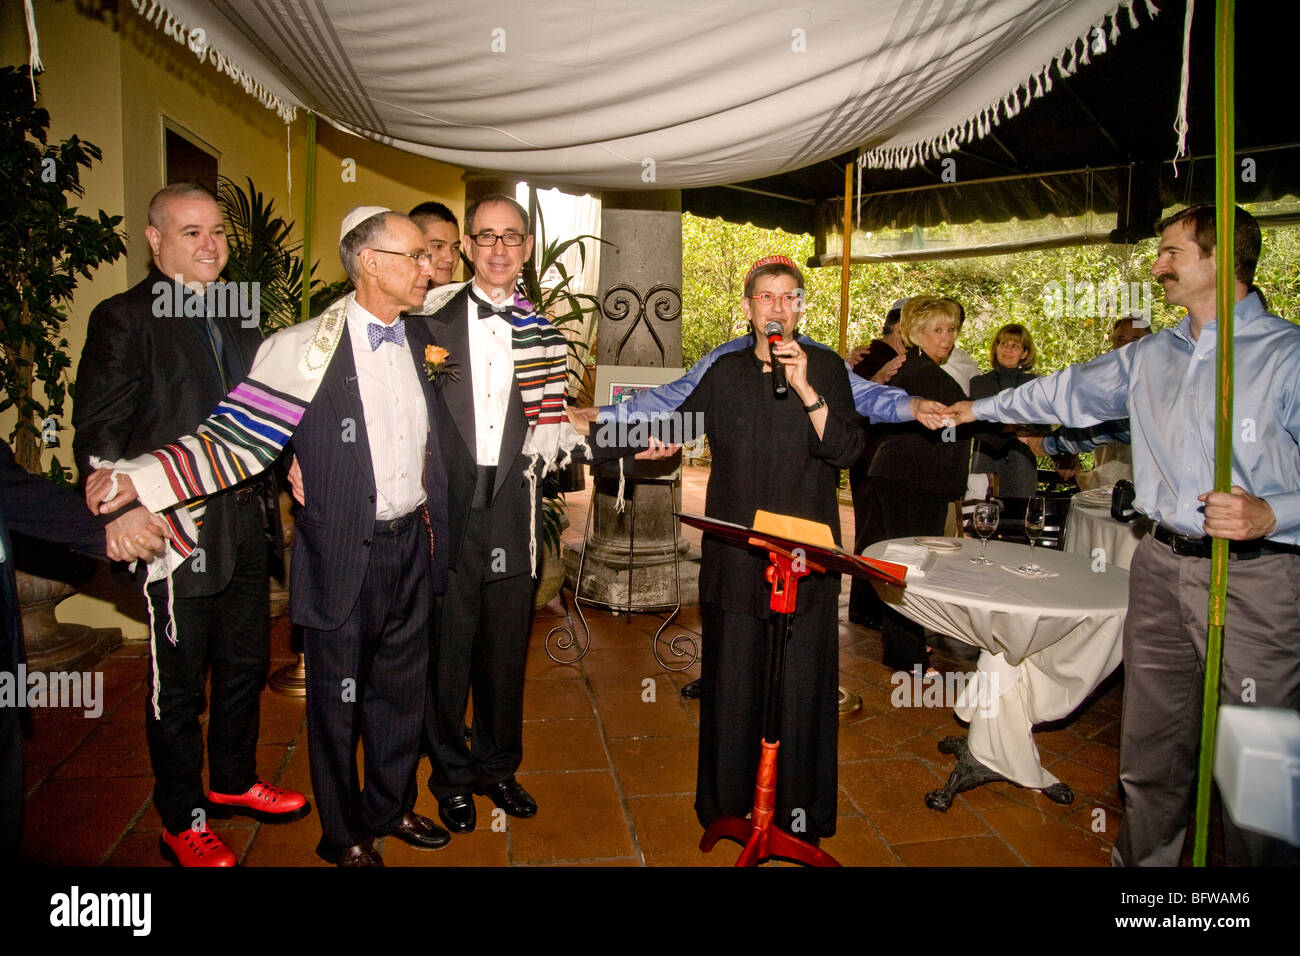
[981, 123]
[169, 630]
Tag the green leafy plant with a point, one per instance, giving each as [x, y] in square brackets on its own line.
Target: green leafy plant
[45, 244]
[262, 250]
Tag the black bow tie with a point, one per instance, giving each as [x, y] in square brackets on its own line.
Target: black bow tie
[487, 310]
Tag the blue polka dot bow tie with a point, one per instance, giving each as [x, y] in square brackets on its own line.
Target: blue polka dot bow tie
[377, 333]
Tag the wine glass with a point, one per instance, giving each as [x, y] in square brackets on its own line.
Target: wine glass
[1035, 518]
[985, 520]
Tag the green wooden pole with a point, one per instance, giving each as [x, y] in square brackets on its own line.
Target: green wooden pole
[1225, 200]
[308, 216]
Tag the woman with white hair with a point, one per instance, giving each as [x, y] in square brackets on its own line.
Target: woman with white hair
[917, 472]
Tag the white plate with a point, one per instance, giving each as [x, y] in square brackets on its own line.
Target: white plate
[1095, 498]
[939, 544]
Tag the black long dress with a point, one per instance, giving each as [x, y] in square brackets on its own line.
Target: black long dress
[766, 455]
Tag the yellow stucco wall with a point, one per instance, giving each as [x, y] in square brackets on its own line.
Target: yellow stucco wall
[111, 81]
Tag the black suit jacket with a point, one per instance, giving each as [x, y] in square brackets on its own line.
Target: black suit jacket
[144, 379]
[333, 530]
[514, 509]
[38, 508]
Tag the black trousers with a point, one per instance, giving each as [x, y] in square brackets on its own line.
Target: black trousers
[733, 703]
[898, 512]
[480, 643]
[226, 632]
[366, 681]
[865, 605]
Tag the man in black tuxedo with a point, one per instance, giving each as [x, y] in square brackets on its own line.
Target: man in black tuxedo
[481, 625]
[351, 388]
[157, 359]
[38, 508]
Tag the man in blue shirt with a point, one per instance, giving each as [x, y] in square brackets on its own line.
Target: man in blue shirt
[1165, 384]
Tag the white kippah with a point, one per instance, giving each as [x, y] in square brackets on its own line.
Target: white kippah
[357, 216]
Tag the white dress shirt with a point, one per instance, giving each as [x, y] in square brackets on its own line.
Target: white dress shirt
[397, 419]
[492, 371]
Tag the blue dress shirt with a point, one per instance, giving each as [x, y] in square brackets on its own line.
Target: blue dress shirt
[1165, 384]
[880, 403]
[1062, 441]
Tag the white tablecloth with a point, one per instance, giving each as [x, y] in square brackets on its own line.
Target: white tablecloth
[1049, 641]
[1088, 528]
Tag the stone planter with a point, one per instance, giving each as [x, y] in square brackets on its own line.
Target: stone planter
[52, 646]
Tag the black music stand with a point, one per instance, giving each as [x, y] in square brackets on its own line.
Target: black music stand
[790, 560]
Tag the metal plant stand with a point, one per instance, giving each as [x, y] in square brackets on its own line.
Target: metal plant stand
[562, 638]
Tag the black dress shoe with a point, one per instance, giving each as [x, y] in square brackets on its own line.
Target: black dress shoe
[420, 832]
[359, 855]
[457, 812]
[692, 690]
[511, 797]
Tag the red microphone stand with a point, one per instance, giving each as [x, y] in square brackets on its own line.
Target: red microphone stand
[760, 837]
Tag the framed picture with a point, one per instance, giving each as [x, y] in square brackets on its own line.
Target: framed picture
[616, 384]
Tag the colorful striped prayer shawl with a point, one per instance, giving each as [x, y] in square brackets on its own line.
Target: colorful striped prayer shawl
[541, 354]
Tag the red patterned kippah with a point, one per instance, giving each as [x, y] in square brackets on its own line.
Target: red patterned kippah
[770, 261]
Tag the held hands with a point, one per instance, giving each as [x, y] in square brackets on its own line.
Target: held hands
[137, 535]
[1035, 442]
[581, 418]
[959, 413]
[1067, 465]
[1237, 515]
[99, 486]
[929, 413]
[657, 450]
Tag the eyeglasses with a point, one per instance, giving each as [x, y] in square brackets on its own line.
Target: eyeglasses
[421, 258]
[489, 239]
[792, 300]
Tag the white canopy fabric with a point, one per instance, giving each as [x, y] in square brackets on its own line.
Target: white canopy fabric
[644, 95]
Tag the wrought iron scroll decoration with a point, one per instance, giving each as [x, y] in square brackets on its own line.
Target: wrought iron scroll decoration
[664, 300]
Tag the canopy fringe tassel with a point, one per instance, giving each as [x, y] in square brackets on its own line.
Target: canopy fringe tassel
[33, 47]
[1038, 84]
[1180, 121]
[195, 39]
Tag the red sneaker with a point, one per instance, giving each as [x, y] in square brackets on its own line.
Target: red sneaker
[195, 848]
[262, 801]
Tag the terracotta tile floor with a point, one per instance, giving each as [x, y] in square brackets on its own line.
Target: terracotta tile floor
[610, 749]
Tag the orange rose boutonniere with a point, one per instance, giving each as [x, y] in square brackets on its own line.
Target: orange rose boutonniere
[436, 365]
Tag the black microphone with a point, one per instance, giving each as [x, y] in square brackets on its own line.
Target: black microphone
[775, 334]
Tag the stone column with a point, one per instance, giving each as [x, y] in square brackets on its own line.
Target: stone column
[640, 325]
